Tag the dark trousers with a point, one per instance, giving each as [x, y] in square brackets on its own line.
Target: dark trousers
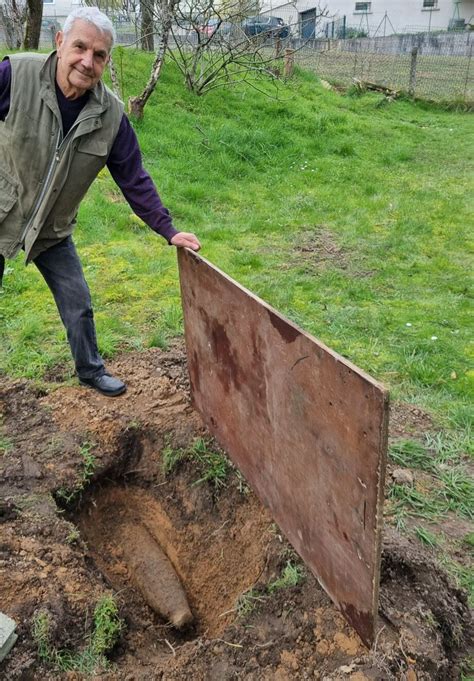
[62, 271]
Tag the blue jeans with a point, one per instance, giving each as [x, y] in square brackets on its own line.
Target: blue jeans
[62, 271]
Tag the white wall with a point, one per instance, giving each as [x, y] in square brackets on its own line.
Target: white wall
[59, 9]
[404, 15]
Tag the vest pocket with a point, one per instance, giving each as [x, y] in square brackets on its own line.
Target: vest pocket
[93, 146]
[8, 194]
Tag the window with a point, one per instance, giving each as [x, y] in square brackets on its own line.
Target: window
[48, 2]
[430, 4]
[363, 6]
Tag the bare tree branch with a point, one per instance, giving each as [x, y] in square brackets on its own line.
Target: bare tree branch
[209, 43]
[12, 18]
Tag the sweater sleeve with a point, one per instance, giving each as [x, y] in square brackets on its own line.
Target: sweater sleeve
[5, 84]
[125, 166]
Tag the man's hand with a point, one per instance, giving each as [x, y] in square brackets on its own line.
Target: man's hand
[186, 239]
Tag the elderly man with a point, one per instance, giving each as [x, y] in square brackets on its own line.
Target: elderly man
[59, 125]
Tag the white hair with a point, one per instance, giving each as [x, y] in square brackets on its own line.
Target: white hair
[95, 17]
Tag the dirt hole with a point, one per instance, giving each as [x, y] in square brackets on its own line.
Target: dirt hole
[215, 564]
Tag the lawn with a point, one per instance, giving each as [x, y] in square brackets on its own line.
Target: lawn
[349, 214]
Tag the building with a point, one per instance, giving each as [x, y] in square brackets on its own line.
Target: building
[57, 10]
[349, 18]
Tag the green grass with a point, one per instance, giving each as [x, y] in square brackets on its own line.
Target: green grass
[91, 658]
[452, 486]
[212, 466]
[248, 602]
[425, 536]
[292, 575]
[412, 454]
[87, 471]
[255, 177]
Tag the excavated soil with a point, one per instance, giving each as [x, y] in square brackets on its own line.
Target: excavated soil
[66, 532]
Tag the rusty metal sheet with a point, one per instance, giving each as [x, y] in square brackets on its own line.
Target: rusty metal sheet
[307, 429]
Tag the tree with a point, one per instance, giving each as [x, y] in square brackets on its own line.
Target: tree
[33, 24]
[146, 28]
[166, 12]
[12, 18]
[210, 45]
[220, 48]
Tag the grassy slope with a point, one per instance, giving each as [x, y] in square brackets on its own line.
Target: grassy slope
[385, 187]
[253, 176]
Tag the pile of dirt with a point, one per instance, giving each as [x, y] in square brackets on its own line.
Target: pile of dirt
[80, 471]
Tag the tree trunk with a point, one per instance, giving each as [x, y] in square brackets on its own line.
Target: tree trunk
[114, 77]
[33, 24]
[11, 20]
[146, 8]
[136, 105]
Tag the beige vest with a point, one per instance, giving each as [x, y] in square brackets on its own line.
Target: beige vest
[43, 175]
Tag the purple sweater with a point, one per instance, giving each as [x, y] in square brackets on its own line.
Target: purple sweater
[124, 162]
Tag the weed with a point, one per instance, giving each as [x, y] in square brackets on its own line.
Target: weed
[467, 673]
[242, 485]
[411, 454]
[248, 601]
[73, 536]
[463, 575]
[107, 625]
[426, 536]
[468, 540]
[41, 636]
[448, 446]
[171, 457]
[404, 496]
[458, 491]
[5, 444]
[92, 659]
[400, 519]
[292, 575]
[88, 463]
[88, 469]
[216, 466]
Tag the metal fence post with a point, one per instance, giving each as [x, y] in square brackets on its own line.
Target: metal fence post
[411, 86]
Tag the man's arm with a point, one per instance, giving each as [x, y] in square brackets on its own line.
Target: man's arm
[125, 166]
[5, 83]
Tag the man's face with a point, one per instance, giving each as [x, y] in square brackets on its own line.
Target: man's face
[83, 54]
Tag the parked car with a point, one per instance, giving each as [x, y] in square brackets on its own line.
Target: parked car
[274, 27]
[216, 25]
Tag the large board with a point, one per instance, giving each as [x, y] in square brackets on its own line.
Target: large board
[307, 429]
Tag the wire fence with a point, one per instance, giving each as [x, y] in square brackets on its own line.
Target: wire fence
[425, 74]
[437, 67]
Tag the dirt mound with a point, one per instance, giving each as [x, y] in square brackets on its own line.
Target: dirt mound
[77, 468]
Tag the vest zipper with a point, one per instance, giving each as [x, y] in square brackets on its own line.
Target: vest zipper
[74, 125]
[55, 159]
[47, 182]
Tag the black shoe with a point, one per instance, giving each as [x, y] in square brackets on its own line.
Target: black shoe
[105, 384]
